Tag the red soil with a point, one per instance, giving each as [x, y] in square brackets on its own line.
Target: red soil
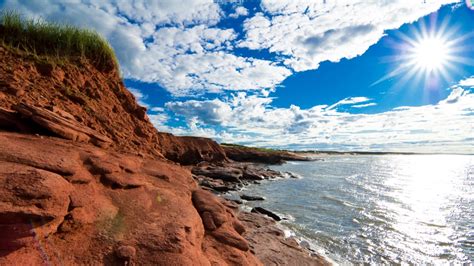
[66, 201]
[86, 179]
[97, 100]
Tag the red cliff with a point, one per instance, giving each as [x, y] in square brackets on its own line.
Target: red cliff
[86, 179]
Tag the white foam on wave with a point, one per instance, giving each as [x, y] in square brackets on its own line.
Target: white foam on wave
[308, 244]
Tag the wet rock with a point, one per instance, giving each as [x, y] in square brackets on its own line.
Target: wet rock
[291, 175]
[215, 184]
[270, 244]
[267, 213]
[237, 201]
[251, 173]
[251, 198]
[223, 173]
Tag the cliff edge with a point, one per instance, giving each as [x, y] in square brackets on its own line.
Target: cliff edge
[86, 179]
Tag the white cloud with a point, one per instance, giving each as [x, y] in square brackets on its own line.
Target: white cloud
[187, 12]
[211, 112]
[363, 105]
[157, 109]
[187, 66]
[178, 43]
[444, 127]
[186, 56]
[469, 82]
[349, 100]
[239, 11]
[309, 32]
[139, 96]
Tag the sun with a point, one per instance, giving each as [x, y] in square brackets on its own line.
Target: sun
[430, 54]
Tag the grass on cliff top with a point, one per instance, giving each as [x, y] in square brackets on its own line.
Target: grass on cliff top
[52, 40]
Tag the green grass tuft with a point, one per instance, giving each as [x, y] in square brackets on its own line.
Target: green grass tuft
[50, 39]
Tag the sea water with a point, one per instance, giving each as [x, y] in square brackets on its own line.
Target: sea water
[379, 209]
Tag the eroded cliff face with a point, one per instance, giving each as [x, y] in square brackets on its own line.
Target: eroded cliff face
[89, 99]
[63, 202]
[84, 177]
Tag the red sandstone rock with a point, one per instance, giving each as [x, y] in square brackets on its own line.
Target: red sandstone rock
[98, 101]
[72, 219]
[66, 202]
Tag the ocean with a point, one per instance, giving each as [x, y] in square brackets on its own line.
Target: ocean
[378, 209]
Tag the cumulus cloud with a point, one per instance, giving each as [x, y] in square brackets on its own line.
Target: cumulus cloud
[211, 112]
[139, 96]
[172, 43]
[309, 32]
[469, 82]
[443, 127]
[239, 11]
[180, 45]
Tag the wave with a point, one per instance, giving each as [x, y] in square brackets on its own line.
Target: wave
[342, 202]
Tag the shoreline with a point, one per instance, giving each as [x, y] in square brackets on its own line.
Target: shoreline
[104, 177]
[263, 228]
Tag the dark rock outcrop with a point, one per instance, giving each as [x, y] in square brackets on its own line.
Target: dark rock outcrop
[251, 198]
[267, 213]
[216, 172]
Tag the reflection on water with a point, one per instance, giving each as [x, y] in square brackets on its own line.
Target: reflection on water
[381, 209]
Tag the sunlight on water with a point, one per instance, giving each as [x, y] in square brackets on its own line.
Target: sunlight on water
[381, 209]
[426, 189]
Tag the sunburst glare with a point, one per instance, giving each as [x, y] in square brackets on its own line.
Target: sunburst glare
[429, 53]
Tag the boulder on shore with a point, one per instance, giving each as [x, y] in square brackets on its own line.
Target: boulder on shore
[251, 198]
[229, 174]
[267, 213]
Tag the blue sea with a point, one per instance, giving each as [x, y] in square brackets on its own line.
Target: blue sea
[378, 209]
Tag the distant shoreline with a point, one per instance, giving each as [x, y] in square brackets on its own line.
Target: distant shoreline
[374, 153]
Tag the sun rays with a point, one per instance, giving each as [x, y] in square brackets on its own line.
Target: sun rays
[429, 53]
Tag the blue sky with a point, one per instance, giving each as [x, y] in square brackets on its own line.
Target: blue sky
[337, 75]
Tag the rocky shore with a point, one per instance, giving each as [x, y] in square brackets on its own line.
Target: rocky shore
[263, 234]
[86, 179]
